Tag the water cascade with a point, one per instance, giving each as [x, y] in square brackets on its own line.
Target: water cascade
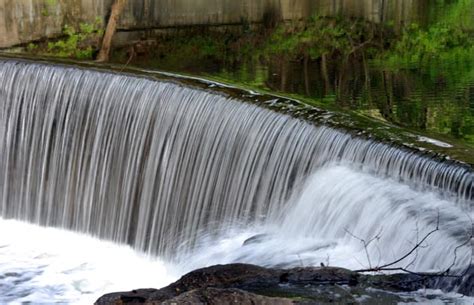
[171, 169]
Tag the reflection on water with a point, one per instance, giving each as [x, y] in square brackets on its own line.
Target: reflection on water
[438, 101]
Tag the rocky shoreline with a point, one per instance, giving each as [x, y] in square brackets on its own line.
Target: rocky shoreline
[250, 284]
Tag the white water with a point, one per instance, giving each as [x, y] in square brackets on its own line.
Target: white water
[45, 265]
[314, 228]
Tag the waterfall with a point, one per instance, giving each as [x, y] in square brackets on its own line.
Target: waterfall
[160, 166]
[337, 207]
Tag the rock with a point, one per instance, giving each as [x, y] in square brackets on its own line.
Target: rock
[249, 284]
[216, 296]
[225, 276]
[318, 276]
[466, 283]
[219, 276]
[256, 239]
[396, 282]
[462, 284]
[139, 296]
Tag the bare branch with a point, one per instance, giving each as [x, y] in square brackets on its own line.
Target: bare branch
[365, 243]
[416, 252]
[415, 248]
[418, 244]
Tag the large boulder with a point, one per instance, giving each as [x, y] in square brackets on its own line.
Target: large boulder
[219, 276]
[249, 284]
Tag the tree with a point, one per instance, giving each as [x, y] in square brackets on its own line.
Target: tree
[115, 13]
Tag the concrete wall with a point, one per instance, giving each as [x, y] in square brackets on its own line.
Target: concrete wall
[22, 21]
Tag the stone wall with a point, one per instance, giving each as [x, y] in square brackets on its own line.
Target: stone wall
[22, 21]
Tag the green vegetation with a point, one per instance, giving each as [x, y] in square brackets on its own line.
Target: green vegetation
[31, 47]
[79, 44]
[340, 38]
[459, 13]
[324, 36]
[446, 37]
[441, 41]
[190, 48]
[450, 38]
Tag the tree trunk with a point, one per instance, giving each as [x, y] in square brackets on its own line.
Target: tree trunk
[306, 75]
[115, 13]
[325, 74]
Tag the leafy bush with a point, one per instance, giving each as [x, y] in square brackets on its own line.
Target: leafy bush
[449, 38]
[77, 44]
[417, 44]
[321, 36]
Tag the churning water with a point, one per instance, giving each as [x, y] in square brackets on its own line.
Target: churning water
[187, 175]
[44, 266]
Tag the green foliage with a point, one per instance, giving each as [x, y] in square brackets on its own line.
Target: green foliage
[450, 37]
[77, 44]
[31, 47]
[321, 36]
[459, 13]
[439, 41]
[201, 45]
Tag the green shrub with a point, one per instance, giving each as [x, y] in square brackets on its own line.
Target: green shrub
[77, 44]
[320, 36]
[440, 41]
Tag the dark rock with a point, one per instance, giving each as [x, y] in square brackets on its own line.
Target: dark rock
[256, 239]
[217, 296]
[249, 284]
[463, 284]
[133, 297]
[396, 282]
[318, 276]
[219, 276]
[466, 283]
[223, 276]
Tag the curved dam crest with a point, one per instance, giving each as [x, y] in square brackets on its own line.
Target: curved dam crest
[189, 175]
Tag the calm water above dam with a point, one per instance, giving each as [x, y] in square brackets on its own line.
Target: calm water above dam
[438, 101]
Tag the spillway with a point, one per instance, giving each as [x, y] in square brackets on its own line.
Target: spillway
[177, 172]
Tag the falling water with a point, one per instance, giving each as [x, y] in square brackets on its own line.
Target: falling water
[167, 168]
[337, 206]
